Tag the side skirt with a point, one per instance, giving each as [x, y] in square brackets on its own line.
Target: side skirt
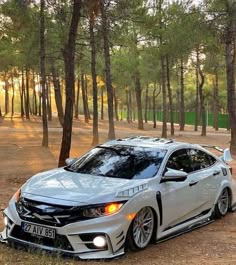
[185, 230]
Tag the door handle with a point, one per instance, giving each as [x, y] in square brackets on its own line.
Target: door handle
[216, 173]
[192, 183]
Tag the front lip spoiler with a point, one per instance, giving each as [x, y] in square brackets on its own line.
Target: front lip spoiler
[64, 253]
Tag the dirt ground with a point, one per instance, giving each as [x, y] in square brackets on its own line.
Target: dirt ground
[21, 156]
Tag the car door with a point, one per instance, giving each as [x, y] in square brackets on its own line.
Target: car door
[206, 172]
[178, 198]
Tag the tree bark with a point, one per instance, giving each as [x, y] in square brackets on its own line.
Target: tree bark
[216, 101]
[21, 100]
[138, 93]
[49, 100]
[202, 101]
[43, 73]
[105, 27]
[131, 106]
[84, 98]
[57, 93]
[69, 62]
[13, 97]
[35, 104]
[102, 104]
[146, 105]
[230, 48]
[127, 106]
[94, 78]
[6, 97]
[172, 128]
[116, 107]
[182, 104]
[197, 114]
[27, 100]
[77, 100]
[164, 104]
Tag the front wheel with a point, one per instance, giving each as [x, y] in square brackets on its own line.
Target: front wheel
[141, 229]
[222, 205]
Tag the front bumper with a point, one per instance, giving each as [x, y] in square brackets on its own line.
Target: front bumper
[74, 239]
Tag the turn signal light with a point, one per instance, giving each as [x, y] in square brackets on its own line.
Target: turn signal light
[130, 216]
[17, 195]
[112, 208]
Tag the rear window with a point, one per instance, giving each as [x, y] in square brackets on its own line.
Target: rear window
[126, 162]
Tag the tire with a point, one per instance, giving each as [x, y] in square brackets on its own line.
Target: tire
[222, 205]
[141, 229]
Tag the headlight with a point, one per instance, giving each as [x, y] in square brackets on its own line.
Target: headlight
[103, 210]
[17, 195]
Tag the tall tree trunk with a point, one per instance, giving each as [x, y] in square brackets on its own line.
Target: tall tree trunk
[230, 40]
[197, 111]
[216, 101]
[35, 104]
[131, 106]
[172, 128]
[43, 73]
[154, 108]
[102, 103]
[105, 29]
[134, 108]
[127, 106]
[182, 107]
[40, 104]
[138, 93]
[77, 100]
[49, 100]
[84, 98]
[116, 107]
[86, 95]
[202, 102]
[27, 101]
[146, 105]
[13, 96]
[6, 97]
[69, 61]
[164, 104]
[21, 100]
[94, 77]
[57, 93]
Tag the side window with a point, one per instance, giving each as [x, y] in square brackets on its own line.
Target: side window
[200, 159]
[180, 160]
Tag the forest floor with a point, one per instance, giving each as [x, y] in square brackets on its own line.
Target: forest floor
[21, 156]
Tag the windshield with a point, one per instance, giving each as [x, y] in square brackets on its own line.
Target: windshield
[126, 162]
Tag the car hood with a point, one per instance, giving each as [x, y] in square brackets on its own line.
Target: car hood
[59, 186]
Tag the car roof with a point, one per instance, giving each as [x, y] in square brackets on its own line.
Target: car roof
[146, 141]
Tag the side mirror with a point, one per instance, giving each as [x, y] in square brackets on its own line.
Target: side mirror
[227, 155]
[174, 175]
[69, 161]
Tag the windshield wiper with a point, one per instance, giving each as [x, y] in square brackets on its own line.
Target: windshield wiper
[68, 168]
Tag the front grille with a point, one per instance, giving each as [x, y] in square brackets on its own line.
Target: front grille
[60, 242]
[48, 214]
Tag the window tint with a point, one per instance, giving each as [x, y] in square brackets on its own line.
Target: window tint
[200, 159]
[180, 160]
[126, 162]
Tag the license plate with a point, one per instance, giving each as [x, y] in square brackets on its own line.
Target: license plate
[39, 230]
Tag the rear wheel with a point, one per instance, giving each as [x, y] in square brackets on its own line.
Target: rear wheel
[141, 229]
[222, 205]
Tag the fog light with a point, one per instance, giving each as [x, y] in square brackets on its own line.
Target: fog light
[99, 241]
[5, 220]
